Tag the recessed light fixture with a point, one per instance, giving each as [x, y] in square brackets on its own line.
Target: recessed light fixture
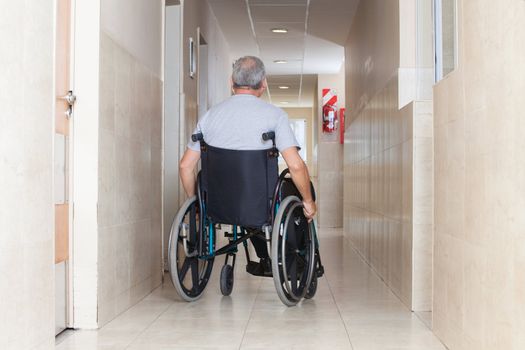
[280, 61]
[284, 102]
[284, 87]
[279, 30]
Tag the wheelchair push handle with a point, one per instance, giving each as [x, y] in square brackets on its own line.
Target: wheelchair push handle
[197, 137]
[270, 135]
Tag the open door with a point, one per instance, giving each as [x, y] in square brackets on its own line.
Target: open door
[63, 112]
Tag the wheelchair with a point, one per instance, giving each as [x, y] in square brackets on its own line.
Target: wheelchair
[243, 190]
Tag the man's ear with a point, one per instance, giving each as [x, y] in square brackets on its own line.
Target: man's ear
[231, 86]
[264, 85]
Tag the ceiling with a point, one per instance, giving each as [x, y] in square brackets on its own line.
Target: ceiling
[317, 31]
[299, 93]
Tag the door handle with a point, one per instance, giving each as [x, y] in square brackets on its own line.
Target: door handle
[70, 98]
[69, 112]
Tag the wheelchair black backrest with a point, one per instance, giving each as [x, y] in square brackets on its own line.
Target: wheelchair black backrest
[237, 186]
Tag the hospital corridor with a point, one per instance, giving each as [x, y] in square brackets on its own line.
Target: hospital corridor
[262, 174]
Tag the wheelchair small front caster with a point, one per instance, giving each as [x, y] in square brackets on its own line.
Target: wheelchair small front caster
[313, 287]
[226, 280]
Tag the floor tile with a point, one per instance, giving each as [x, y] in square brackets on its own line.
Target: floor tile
[353, 309]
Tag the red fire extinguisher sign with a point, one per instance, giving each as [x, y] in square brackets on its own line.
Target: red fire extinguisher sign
[330, 120]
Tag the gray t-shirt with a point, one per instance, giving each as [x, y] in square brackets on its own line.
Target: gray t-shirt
[239, 122]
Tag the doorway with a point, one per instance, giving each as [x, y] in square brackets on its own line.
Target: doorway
[202, 75]
[62, 171]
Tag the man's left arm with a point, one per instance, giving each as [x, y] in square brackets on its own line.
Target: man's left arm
[187, 166]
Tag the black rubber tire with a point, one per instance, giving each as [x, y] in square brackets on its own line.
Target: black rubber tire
[313, 287]
[226, 280]
[279, 277]
[175, 254]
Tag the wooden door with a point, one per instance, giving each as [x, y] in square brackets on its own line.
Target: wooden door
[62, 115]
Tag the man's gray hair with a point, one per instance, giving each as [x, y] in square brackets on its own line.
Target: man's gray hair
[248, 72]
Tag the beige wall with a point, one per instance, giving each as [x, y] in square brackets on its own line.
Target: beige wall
[388, 153]
[129, 190]
[479, 279]
[220, 59]
[416, 56]
[136, 26]
[26, 178]
[330, 158]
[117, 165]
[388, 193]
[372, 52]
[304, 113]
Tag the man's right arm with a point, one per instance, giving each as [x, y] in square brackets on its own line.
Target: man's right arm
[301, 179]
[187, 166]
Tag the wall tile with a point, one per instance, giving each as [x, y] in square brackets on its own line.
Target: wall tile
[130, 175]
[388, 172]
[478, 298]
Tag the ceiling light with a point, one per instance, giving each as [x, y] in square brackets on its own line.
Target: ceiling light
[284, 102]
[280, 61]
[284, 87]
[280, 30]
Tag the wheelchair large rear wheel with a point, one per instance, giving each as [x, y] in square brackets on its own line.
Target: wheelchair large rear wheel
[293, 251]
[189, 274]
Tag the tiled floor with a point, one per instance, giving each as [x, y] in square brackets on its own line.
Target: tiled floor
[353, 309]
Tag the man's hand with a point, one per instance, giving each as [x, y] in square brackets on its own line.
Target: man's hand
[309, 209]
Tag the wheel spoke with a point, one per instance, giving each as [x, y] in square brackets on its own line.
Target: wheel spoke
[193, 224]
[293, 275]
[184, 269]
[195, 274]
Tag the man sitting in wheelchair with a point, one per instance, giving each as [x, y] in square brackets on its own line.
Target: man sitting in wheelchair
[238, 142]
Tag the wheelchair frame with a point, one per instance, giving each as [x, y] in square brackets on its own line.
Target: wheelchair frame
[205, 249]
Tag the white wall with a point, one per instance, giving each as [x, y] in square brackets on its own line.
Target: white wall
[330, 157]
[85, 165]
[172, 71]
[416, 61]
[136, 26]
[26, 175]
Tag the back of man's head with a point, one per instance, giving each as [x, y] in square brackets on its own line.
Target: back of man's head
[248, 72]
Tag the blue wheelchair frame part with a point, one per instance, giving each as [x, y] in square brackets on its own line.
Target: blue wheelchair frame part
[232, 246]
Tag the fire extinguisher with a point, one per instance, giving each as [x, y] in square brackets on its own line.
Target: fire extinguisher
[329, 118]
[330, 121]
